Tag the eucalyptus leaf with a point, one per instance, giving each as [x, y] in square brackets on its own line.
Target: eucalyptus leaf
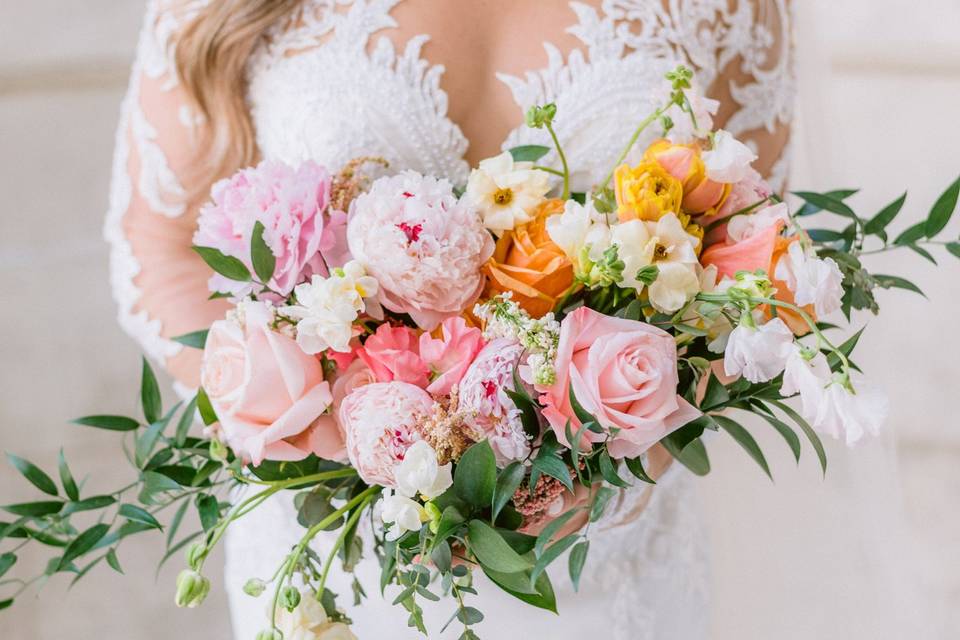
[82, 544]
[878, 223]
[911, 234]
[34, 509]
[88, 504]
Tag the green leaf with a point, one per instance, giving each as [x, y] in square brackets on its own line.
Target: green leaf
[635, 465]
[114, 561]
[469, 615]
[34, 509]
[745, 440]
[528, 412]
[150, 394]
[807, 430]
[879, 222]
[600, 501]
[209, 510]
[529, 152]
[809, 208]
[475, 479]
[207, 414]
[450, 519]
[7, 560]
[264, 262]
[896, 282]
[186, 421]
[196, 339]
[911, 234]
[442, 556]
[551, 553]
[147, 441]
[492, 550]
[954, 248]
[788, 434]
[826, 201]
[553, 466]
[88, 504]
[609, 471]
[582, 414]
[225, 265]
[507, 484]
[693, 455]
[110, 423]
[846, 348]
[513, 583]
[715, 395]
[549, 531]
[578, 558]
[544, 598]
[66, 478]
[82, 544]
[155, 482]
[177, 520]
[923, 253]
[33, 474]
[137, 514]
[942, 210]
[825, 235]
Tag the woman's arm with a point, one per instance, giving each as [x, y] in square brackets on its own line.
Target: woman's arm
[158, 281]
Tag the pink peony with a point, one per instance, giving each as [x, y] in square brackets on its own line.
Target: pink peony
[483, 398]
[291, 204]
[450, 355]
[393, 353]
[423, 246]
[380, 424]
[624, 373]
[269, 395]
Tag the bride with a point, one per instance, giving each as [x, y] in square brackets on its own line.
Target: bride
[434, 86]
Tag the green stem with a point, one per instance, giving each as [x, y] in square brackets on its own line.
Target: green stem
[339, 543]
[555, 172]
[891, 247]
[646, 122]
[563, 161]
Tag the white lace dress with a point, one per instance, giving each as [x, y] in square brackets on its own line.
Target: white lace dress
[325, 86]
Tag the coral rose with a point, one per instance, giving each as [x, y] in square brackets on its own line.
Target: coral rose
[624, 373]
[528, 263]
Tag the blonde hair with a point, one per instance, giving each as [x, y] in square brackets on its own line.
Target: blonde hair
[212, 52]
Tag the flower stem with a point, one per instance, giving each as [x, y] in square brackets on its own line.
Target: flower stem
[339, 542]
[563, 161]
[646, 122]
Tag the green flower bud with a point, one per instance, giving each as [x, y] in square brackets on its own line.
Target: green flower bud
[195, 554]
[433, 512]
[218, 450]
[270, 634]
[254, 587]
[289, 598]
[192, 589]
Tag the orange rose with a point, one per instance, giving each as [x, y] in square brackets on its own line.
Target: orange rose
[684, 162]
[529, 264]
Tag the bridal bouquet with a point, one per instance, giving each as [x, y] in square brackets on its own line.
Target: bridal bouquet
[480, 370]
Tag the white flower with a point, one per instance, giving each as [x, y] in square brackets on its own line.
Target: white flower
[729, 160]
[758, 353]
[748, 225]
[309, 621]
[327, 307]
[582, 233]
[419, 472]
[808, 376]
[811, 279]
[849, 414]
[506, 192]
[683, 131]
[404, 513]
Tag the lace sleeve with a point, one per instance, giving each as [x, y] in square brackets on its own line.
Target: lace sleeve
[158, 282]
[755, 82]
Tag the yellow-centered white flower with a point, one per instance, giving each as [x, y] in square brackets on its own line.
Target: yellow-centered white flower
[582, 233]
[419, 472]
[505, 192]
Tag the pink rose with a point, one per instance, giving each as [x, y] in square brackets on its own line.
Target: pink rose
[624, 373]
[451, 354]
[393, 353]
[380, 424]
[268, 394]
[290, 203]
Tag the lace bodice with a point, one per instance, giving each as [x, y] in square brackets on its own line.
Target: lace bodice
[327, 85]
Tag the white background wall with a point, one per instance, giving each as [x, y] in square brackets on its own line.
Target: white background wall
[881, 97]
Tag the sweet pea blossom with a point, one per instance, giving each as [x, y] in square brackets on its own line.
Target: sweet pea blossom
[419, 472]
[309, 621]
[749, 225]
[506, 192]
[759, 353]
[807, 373]
[850, 409]
[582, 233]
[404, 513]
[729, 161]
[812, 280]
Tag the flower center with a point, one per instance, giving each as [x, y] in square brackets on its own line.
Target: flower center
[411, 231]
[489, 388]
[503, 197]
[660, 252]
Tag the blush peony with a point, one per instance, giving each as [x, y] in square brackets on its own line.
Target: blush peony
[423, 246]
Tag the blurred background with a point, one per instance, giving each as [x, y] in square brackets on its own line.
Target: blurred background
[880, 85]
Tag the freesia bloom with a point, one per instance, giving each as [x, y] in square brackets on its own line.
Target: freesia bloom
[812, 280]
[424, 248]
[393, 353]
[404, 513]
[528, 263]
[268, 394]
[758, 353]
[483, 398]
[380, 424]
[290, 203]
[420, 473]
[729, 160]
[309, 621]
[327, 307]
[624, 373]
[506, 193]
[451, 354]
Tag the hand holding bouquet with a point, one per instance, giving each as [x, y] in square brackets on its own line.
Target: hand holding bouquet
[483, 368]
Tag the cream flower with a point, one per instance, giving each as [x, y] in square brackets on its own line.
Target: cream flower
[419, 472]
[582, 233]
[849, 413]
[759, 353]
[811, 279]
[807, 373]
[404, 513]
[729, 161]
[748, 225]
[327, 307]
[506, 192]
[309, 621]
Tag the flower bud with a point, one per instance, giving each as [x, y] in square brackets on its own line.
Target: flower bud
[289, 598]
[433, 512]
[195, 554]
[270, 634]
[192, 589]
[218, 450]
[254, 587]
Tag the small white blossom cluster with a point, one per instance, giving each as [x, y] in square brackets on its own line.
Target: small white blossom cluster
[503, 318]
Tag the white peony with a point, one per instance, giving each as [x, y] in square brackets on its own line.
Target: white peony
[419, 472]
[505, 192]
[850, 413]
[309, 621]
[404, 513]
[812, 280]
[748, 225]
[758, 353]
[327, 307]
[729, 161]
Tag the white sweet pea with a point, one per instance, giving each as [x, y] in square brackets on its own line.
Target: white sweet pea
[812, 280]
[404, 513]
[850, 413]
[807, 373]
[582, 234]
[419, 472]
[675, 284]
[327, 307]
[683, 131]
[309, 621]
[729, 160]
[506, 192]
[759, 353]
[747, 225]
